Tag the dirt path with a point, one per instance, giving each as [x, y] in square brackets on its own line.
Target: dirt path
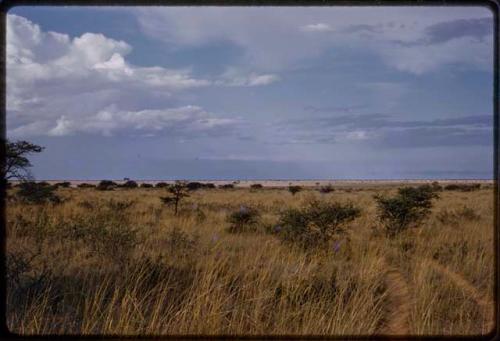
[485, 305]
[398, 304]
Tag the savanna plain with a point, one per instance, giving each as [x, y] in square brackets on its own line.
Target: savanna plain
[251, 261]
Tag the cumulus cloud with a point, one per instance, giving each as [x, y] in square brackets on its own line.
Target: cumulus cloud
[58, 85]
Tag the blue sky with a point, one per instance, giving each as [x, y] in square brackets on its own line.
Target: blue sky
[253, 93]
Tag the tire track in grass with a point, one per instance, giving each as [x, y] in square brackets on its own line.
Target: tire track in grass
[397, 304]
[485, 304]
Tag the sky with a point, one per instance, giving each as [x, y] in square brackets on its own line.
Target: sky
[214, 93]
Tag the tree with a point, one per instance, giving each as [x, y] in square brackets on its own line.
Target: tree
[16, 163]
[178, 191]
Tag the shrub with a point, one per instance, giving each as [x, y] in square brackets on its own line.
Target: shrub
[316, 223]
[161, 185]
[117, 206]
[256, 186]
[85, 185]
[106, 185]
[193, 186]
[106, 230]
[179, 243]
[22, 276]
[37, 193]
[145, 185]
[462, 187]
[65, 184]
[243, 220]
[226, 186]
[457, 216]
[294, 189]
[408, 208]
[112, 241]
[436, 186]
[326, 189]
[130, 184]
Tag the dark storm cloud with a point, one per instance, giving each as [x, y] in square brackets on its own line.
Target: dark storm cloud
[445, 31]
[439, 33]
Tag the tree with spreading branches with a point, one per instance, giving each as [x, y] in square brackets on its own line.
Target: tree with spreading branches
[16, 164]
[177, 192]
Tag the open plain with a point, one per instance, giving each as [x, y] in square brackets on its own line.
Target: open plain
[122, 262]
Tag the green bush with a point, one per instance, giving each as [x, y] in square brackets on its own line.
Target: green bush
[408, 208]
[145, 185]
[256, 186]
[462, 187]
[454, 217]
[85, 185]
[65, 184]
[130, 184]
[436, 186]
[117, 206]
[326, 189]
[243, 220]
[162, 185]
[37, 193]
[22, 277]
[316, 223]
[226, 186]
[180, 244]
[294, 189]
[106, 185]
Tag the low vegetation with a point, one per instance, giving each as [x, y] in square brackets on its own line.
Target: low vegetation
[136, 261]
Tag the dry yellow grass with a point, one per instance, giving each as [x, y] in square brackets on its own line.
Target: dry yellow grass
[214, 282]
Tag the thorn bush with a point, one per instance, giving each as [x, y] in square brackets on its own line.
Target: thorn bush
[106, 185]
[408, 208]
[316, 223]
[37, 193]
[245, 219]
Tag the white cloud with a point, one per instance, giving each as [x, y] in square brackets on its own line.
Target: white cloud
[357, 135]
[57, 85]
[273, 43]
[189, 119]
[320, 27]
[235, 77]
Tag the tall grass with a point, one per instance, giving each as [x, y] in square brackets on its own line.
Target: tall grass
[120, 262]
